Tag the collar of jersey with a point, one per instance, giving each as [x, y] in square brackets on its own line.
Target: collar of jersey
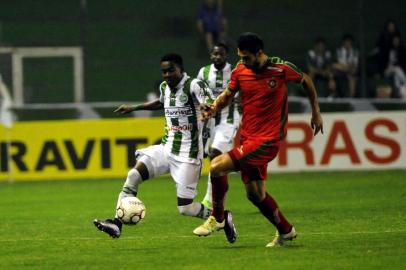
[224, 68]
[268, 63]
[182, 82]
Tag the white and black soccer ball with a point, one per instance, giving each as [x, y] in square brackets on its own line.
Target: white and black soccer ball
[131, 210]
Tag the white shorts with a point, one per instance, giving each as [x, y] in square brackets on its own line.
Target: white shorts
[221, 137]
[158, 162]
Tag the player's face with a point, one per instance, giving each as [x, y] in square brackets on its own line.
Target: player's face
[171, 73]
[218, 56]
[249, 59]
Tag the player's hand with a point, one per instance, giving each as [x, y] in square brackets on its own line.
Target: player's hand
[317, 123]
[207, 111]
[124, 109]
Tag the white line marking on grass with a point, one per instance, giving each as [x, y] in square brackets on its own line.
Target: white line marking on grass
[125, 238]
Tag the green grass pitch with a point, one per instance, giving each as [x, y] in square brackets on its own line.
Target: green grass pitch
[345, 220]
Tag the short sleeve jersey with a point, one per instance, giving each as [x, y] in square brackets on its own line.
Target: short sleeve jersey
[264, 98]
[183, 139]
[218, 80]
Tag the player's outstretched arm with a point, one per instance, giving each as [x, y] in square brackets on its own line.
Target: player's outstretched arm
[149, 106]
[316, 122]
[221, 101]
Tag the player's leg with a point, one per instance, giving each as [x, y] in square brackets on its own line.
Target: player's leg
[219, 219]
[208, 136]
[207, 200]
[219, 168]
[254, 162]
[256, 193]
[186, 176]
[134, 177]
[221, 142]
[149, 164]
[194, 209]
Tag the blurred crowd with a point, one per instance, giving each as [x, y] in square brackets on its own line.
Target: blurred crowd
[336, 73]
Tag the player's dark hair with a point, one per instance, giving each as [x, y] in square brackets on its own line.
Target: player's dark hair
[222, 45]
[174, 58]
[250, 42]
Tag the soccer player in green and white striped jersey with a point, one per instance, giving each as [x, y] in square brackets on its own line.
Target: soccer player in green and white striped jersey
[219, 132]
[181, 150]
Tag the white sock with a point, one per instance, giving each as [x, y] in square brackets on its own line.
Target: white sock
[130, 187]
[195, 209]
[208, 196]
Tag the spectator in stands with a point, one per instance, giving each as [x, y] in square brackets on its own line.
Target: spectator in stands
[384, 43]
[346, 67]
[395, 65]
[319, 61]
[211, 22]
[383, 91]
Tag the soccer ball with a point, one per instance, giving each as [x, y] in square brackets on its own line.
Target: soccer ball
[131, 210]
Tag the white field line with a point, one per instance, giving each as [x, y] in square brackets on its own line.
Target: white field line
[130, 238]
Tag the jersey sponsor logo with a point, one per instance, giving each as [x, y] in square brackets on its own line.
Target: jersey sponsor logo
[183, 98]
[240, 150]
[185, 127]
[174, 112]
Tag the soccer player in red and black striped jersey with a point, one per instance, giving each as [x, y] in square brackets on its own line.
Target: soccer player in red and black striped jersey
[261, 81]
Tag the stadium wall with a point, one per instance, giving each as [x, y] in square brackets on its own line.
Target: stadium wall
[105, 148]
[351, 141]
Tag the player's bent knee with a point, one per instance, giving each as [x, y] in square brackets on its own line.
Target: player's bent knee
[215, 169]
[219, 166]
[214, 153]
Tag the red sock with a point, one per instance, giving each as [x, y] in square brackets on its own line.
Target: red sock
[269, 208]
[219, 190]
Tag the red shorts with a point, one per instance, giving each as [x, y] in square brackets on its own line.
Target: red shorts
[252, 158]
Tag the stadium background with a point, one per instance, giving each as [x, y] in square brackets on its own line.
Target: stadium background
[349, 209]
[123, 40]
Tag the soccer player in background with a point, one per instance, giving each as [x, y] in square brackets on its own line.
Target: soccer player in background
[261, 82]
[181, 150]
[218, 132]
